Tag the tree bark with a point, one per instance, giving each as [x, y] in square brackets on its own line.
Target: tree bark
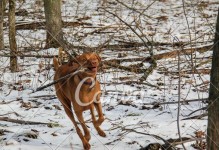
[213, 107]
[54, 34]
[12, 34]
[2, 7]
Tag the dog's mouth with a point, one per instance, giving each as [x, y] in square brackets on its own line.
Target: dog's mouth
[93, 69]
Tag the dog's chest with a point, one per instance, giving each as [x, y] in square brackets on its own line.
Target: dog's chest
[86, 93]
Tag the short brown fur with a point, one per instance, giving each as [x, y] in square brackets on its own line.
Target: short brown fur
[65, 91]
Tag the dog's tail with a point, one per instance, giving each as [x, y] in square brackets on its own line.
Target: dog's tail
[56, 63]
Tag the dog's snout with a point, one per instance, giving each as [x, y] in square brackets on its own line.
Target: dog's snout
[94, 62]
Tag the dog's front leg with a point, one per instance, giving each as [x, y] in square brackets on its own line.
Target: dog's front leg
[98, 107]
[95, 123]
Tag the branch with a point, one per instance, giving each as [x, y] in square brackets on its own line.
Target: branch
[21, 121]
[184, 101]
[41, 25]
[197, 116]
[56, 81]
[153, 61]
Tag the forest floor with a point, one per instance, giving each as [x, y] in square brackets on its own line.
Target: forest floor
[137, 113]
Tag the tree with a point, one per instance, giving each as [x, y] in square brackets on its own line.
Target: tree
[12, 38]
[2, 7]
[213, 106]
[54, 36]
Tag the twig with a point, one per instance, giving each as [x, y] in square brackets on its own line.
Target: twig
[179, 104]
[197, 116]
[168, 144]
[184, 101]
[10, 113]
[203, 108]
[52, 83]
[4, 102]
[150, 49]
[21, 121]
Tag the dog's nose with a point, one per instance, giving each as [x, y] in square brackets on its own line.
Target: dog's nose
[93, 62]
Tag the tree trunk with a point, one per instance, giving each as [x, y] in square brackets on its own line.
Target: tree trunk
[54, 36]
[2, 7]
[12, 34]
[213, 106]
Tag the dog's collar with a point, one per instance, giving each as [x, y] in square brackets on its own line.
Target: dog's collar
[86, 82]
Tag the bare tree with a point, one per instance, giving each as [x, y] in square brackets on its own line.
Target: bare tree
[213, 107]
[2, 7]
[12, 34]
[54, 36]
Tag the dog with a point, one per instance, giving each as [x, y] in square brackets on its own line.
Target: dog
[80, 92]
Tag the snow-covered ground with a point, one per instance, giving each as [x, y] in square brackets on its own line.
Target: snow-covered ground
[125, 106]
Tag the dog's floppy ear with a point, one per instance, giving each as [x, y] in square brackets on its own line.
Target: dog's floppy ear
[56, 63]
[73, 61]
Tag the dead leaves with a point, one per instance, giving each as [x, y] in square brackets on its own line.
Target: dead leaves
[199, 143]
[26, 105]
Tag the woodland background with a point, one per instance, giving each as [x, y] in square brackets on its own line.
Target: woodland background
[155, 74]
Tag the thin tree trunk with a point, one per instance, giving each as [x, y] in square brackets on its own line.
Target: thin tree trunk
[54, 36]
[2, 7]
[213, 107]
[12, 34]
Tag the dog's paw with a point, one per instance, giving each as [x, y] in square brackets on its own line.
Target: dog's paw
[86, 146]
[101, 133]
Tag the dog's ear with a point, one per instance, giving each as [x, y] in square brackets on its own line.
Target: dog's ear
[98, 57]
[73, 61]
[56, 63]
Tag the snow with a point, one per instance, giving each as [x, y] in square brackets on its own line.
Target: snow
[15, 88]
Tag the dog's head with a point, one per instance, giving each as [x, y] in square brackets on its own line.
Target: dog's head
[90, 61]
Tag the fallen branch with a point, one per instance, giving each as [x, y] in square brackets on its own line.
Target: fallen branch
[166, 55]
[43, 96]
[42, 25]
[136, 82]
[203, 108]
[196, 71]
[10, 113]
[167, 144]
[173, 142]
[116, 65]
[23, 55]
[4, 102]
[197, 116]
[21, 121]
[184, 101]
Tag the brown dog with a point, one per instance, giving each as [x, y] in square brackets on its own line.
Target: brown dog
[82, 91]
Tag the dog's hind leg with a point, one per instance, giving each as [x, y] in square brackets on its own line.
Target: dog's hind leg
[68, 109]
[81, 120]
